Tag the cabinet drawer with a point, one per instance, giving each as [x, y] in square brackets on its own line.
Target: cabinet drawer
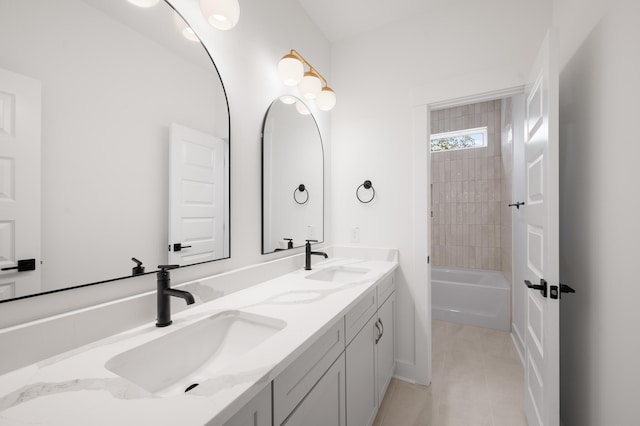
[291, 386]
[385, 288]
[358, 316]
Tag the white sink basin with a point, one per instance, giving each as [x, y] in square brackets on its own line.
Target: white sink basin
[173, 362]
[338, 274]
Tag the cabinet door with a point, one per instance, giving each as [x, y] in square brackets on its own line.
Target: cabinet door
[362, 396]
[257, 412]
[385, 346]
[325, 404]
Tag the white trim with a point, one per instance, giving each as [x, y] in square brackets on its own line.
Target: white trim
[490, 85]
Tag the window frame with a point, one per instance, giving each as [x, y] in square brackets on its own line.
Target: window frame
[455, 133]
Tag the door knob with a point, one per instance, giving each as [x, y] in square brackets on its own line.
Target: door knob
[179, 247]
[555, 294]
[542, 286]
[23, 266]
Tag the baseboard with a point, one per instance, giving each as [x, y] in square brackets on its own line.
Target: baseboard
[517, 342]
[405, 371]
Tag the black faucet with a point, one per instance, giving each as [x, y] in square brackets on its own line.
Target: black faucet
[308, 253]
[164, 293]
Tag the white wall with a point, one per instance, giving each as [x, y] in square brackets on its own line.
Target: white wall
[246, 58]
[379, 77]
[599, 208]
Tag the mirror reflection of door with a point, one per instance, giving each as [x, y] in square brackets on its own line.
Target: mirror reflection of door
[196, 196]
[20, 116]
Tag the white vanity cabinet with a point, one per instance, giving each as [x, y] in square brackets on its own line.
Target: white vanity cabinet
[256, 412]
[311, 390]
[341, 378]
[370, 359]
[324, 405]
[385, 348]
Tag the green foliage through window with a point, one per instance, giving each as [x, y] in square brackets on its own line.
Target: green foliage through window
[461, 139]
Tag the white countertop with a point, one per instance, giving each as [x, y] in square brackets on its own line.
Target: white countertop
[75, 388]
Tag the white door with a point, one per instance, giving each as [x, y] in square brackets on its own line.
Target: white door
[196, 196]
[20, 133]
[542, 405]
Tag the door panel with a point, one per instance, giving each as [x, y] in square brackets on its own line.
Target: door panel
[20, 183]
[196, 199]
[542, 239]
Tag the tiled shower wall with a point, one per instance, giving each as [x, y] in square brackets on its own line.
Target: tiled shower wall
[467, 191]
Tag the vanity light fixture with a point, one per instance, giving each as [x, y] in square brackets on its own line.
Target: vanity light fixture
[144, 3]
[311, 83]
[302, 108]
[185, 29]
[221, 14]
[288, 100]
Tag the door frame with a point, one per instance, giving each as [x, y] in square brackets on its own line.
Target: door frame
[472, 88]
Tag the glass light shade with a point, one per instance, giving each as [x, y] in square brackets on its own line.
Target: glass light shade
[310, 86]
[185, 29]
[302, 108]
[326, 100]
[290, 70]
[221, 14]
[144, 3]
[287, 99]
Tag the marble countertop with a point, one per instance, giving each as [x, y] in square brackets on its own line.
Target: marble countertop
[75, 388]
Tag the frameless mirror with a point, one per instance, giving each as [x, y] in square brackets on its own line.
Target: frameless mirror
[292, 176]
[114, 144]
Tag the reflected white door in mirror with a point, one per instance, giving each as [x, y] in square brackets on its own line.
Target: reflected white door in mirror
[197, 170]
[20, 100]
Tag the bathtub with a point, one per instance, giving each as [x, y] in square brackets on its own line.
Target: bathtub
[471, 296]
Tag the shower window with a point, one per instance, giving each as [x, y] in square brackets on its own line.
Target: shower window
[460, 139]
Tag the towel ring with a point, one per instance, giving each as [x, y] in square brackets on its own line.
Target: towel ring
[301, 188]
[367, 185]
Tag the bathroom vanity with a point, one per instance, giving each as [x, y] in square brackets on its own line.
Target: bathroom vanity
[308, 347]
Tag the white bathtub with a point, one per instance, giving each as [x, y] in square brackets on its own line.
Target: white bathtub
[471, 296]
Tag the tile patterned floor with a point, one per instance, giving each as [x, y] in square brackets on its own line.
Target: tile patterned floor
[477, 380]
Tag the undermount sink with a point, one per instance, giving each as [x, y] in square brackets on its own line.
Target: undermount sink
[338, 274]
[172, 363]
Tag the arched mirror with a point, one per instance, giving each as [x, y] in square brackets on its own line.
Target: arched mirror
[292, 176]
[114, 142]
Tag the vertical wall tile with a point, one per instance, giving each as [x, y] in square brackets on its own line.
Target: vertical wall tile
[467, 228]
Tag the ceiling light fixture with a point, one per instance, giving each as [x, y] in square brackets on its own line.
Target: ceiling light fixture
[311, 83]
[221, 14]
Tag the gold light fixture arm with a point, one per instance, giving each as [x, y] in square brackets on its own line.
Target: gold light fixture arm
[297, 54]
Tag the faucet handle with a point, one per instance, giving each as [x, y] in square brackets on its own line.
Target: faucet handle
[167, 267]
[311, 241]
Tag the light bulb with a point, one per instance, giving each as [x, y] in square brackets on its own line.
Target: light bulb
[288, 99]
[221, 14]
[290, 70]
[310, 86]
[302, 108]
[326, 100]
[144, 3]
[185, 29]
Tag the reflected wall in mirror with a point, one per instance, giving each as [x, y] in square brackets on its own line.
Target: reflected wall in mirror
[292, 176]
[89, 93]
